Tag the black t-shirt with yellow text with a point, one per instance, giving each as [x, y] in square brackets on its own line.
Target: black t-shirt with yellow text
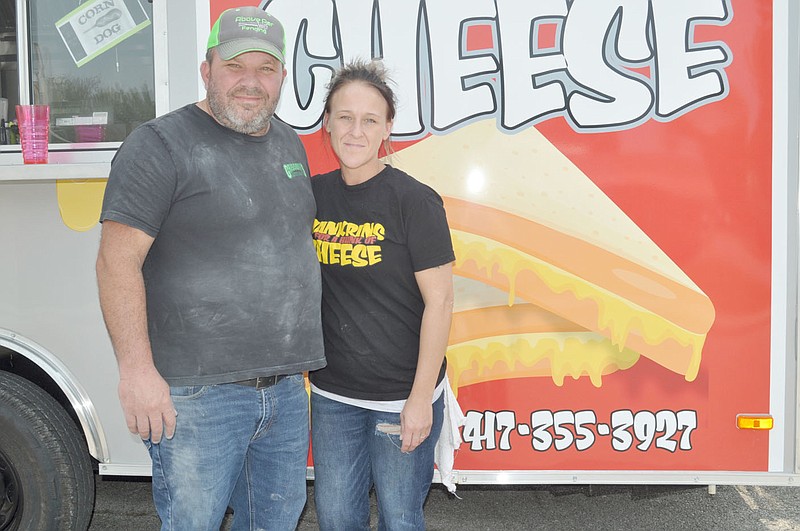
[370, 239]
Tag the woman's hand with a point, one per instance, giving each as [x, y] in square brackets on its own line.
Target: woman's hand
[416, 420]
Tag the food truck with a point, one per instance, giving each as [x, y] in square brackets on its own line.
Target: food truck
[621, 182]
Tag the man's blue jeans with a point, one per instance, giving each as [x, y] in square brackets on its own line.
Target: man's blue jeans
[234, 445]
[352, 451]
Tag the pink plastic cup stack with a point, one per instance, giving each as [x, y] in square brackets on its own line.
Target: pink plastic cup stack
[34, 129]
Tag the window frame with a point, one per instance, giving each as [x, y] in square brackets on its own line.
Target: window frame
[83, 154]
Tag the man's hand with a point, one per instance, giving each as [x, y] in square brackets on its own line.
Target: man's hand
[416, 420]
[147, 405]
[143, 393]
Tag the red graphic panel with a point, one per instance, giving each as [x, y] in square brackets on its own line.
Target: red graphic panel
[700, 187]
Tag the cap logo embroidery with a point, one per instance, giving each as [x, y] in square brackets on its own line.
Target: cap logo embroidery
[254, 24]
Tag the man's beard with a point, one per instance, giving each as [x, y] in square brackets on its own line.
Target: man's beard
[227, 113]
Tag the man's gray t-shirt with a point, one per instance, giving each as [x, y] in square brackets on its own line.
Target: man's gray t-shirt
[232, 278]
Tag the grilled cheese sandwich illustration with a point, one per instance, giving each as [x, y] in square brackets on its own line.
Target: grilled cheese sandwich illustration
[588, 292]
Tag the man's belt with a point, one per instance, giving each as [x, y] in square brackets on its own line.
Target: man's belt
[262, 381]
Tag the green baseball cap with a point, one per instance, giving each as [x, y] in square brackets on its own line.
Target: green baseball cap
[247, 29]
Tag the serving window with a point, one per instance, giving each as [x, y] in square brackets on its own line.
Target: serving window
[91, 62]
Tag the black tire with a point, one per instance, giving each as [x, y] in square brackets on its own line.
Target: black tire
[46, 476]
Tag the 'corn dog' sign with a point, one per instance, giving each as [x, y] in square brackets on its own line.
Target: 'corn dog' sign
[95, 27]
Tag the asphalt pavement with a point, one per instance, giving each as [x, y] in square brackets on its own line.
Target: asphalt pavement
[125, 504]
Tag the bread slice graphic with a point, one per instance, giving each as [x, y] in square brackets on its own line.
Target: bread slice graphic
[588, 291]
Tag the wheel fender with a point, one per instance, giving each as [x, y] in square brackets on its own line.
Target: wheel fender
[78, 397]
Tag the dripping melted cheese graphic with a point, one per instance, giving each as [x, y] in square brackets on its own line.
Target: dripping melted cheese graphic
[80, 202]
[570, 285]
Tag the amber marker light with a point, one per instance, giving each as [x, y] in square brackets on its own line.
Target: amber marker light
[754, 422]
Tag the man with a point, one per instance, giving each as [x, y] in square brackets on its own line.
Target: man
[210, 289]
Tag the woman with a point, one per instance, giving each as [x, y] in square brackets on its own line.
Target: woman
[385, 251]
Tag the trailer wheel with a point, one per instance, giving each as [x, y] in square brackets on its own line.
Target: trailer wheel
[46, 476]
